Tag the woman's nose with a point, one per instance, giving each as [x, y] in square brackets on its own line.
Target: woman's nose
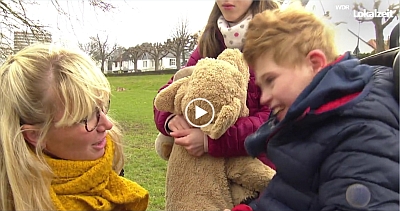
[104, 123]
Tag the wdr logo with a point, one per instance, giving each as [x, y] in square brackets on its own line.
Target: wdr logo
[343, 7]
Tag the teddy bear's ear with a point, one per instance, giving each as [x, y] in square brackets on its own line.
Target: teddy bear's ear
[235, 57]
[184, 72]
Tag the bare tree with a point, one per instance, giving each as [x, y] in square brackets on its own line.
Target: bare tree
[380, 23]
[180, 39]
[134, 53]
[175, 47]
[13, 16]
[156, 50]
[90, 48]
[101, 4]
[99, 50]
[191, 44]
[117, 56]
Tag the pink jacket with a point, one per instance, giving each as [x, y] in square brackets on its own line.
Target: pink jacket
[230, 144]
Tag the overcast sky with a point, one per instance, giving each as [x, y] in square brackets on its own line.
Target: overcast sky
[132, 22]
[137, 21]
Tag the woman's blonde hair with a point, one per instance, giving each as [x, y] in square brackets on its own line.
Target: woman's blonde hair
[288, 35]
[35, 84]
[209, 45]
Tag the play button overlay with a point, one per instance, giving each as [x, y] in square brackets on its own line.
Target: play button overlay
[199, 112]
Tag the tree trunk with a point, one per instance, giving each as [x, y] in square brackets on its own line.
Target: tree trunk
[183, 57]
[102, 66]
[135, 65]
[380, 43]
[156, 63]
[178, 61]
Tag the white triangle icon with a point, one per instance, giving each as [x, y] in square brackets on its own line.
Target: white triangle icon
[199, 112]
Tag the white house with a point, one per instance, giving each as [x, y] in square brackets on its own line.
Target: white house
[145, 63]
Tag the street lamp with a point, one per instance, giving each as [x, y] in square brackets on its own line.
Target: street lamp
[357, 50]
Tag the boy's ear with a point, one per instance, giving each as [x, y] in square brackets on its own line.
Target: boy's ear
[317, 60]
[30, 133]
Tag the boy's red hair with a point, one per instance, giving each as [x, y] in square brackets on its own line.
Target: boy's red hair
[288, 35]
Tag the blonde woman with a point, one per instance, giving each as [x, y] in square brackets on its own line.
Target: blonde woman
[58, 148]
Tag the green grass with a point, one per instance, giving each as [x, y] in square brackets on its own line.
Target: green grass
[133, 109]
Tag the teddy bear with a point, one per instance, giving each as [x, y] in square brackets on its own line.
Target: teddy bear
[163, 144]
[206, 182]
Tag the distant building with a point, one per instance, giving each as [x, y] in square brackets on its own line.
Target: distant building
[145, 63]
[24, 39]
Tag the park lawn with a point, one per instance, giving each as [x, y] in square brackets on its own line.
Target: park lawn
[133, 109]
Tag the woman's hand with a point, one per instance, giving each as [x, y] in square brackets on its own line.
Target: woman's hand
[192, 139]
[178, 122]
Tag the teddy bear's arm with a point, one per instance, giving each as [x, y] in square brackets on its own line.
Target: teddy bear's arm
[249, 172]
[165, 99]
[226, 117]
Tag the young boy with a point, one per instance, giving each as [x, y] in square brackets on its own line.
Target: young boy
[334, 137]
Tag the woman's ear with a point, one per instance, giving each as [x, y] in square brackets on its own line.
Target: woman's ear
[30, 133]
[317, 60]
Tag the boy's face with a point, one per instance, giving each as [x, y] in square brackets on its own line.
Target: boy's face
[281, 85]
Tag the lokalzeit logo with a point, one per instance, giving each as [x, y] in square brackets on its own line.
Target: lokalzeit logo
[375, 14]
[367, 14]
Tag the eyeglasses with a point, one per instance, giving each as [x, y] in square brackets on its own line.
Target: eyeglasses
[92, 122]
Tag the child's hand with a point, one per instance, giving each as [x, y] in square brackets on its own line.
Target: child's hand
[241, 207]
[192, 139]
[178, 122]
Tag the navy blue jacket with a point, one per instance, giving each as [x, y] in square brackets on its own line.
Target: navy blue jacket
[338, 146]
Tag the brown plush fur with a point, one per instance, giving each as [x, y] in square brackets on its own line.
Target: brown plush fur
[206, 182]
[163, 144]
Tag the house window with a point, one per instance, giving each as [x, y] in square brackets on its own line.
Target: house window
[144, 63]
[152, 63]
[172, 62]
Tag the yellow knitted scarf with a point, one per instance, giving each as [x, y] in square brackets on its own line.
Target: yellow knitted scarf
[93, 185]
